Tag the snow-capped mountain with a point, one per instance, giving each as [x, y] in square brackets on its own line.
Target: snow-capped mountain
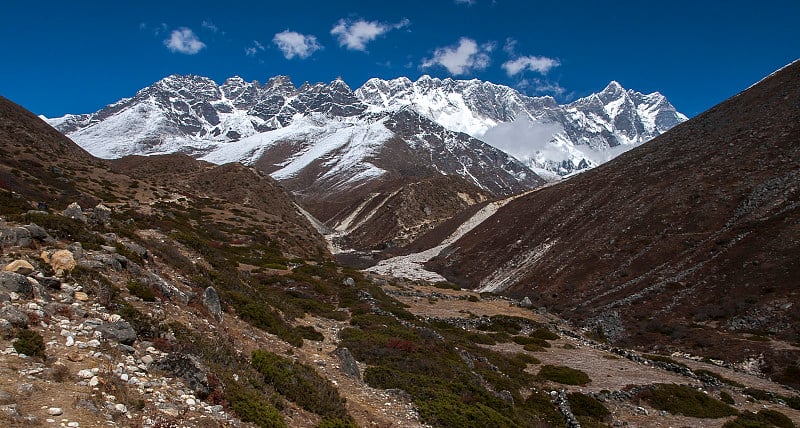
[194, 115]
[549, 137]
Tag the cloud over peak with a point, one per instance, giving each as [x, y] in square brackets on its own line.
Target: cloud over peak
[183, 40]
[354, 35]
[294, 44]
[461, 59]
[539, 64]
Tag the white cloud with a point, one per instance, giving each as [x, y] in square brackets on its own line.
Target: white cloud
[183, 40]
[540, 86]
[466, 2]
[354, 35]
[539, 64]
[208, 25]
[294, 44]
[461, 59]
[510, 46]
[254, 48]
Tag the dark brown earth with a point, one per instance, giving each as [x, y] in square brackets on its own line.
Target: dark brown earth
[691, 240]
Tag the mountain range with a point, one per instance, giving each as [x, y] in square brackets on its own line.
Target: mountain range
[194, 115]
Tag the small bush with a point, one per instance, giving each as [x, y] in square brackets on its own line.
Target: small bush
[687, 401]
[763, 419]
[663, 359]
[336, 423]
[473, 298]
[251, 407]
[584, 405]
[758, 394]
[726, 398]
[563, 374]
[301, 384]
[29, 343]
[544, 334]
[141, 291]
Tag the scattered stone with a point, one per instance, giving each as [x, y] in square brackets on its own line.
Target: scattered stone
[37, 232]
[5, 398]
[70, 341]
[94, 381]
[85, 374]
[188, 368]
[55, 411]
[212, 303]
[21, 267]
[147, 359]
[81, 296]
[119, 331]
[526, 302]
[349, 282]
[26, 389]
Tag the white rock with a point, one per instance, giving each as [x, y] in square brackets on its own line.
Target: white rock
[70, 341]
[94, 381]
[73, 424]
[55, 411]
[121, 408]
[94, 343]
[191, 402]
[114, 318]
[124, 377]
[65, 332]
[147, 359]
[85, 374]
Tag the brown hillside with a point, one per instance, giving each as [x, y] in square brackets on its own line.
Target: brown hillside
[691, 240]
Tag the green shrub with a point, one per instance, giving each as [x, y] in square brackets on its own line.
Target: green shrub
[473, 298]
[336, 423]
[503, 323]
[300, 384]
[539, 406]
[726, 398]
[251, 407]
[544, 334]
[584, 405]
[141, 291]
[687, 401]
[758, 394]
[763, 419]
[526, 340]
[563, 374]
[29, 343]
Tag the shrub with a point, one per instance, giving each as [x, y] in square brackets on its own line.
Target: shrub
[29, 343]
[563, 374]
[663, 359]
[526, 340]
[726, 398]
[336, 423]
[141, 291]
[687, 401]
[763, 419]
[543, 334]
[251, 407]
[473, 298]
[300, 384]
[584, 405]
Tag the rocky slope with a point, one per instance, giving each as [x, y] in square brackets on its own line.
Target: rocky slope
[689, 240]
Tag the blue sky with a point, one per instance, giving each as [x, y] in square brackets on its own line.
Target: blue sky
[59, 57]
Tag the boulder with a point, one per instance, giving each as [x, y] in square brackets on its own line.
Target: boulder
[102, 214]
[11, 282]
[119, 331]
[16, 317]
[61, 261]
[212, 303]
[37, 232]
[348, 363]
[189, 369]
[21, 267]
[349, 282]
[75, 212]
[15, 237]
